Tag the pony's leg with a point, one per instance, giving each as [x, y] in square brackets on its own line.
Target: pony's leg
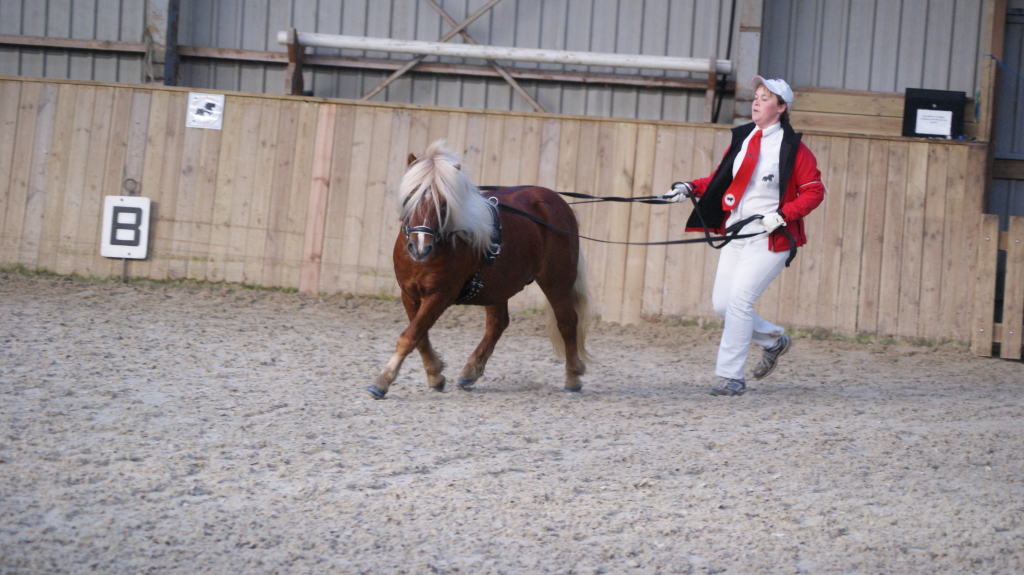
[497, 321]
[566, 306]
[431, 364]
[567, 319]
[423, 315]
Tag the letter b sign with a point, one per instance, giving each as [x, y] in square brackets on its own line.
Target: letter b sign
[125, 227]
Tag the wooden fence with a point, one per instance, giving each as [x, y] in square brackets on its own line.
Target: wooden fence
[300, 192]
[986, 331]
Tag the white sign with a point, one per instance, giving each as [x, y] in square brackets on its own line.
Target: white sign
[125, 227]
[934, 122]
[205, 111]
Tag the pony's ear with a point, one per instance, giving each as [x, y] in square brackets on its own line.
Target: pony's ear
[410, 159]
[458, 166]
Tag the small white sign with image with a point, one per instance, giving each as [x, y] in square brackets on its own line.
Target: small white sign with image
[205, 111]
[125, 227]
[934, 122]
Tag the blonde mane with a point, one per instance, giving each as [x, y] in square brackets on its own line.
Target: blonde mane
[437, 176]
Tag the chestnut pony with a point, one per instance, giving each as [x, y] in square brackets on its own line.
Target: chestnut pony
[450, 251]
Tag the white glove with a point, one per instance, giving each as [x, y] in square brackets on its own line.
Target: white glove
[679, 191]
[773, 221]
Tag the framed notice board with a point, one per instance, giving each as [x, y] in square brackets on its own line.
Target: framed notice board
[933, 113]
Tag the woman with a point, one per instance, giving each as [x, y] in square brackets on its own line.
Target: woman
[767, 172]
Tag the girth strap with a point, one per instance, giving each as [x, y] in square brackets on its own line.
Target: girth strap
[473, 285]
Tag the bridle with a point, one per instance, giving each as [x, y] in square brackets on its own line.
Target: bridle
[426, 230]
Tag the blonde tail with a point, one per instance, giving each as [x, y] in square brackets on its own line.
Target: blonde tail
[581, 302]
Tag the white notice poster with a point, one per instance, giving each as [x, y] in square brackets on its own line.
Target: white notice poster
[934, 122]
[205, 111]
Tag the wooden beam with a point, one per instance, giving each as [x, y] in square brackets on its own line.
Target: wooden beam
[667, 82]
[293, 74]
[746, 55]
[709, 93]
[984, 295]
[1013, 290]
[277, 58]
[993, 30]
[826, 122]
[328, 61]
[1008, 169]
[71, 44]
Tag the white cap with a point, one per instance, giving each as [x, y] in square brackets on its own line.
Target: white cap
[776, 86]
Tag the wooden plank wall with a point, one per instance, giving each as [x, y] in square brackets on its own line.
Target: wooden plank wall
[300, 193]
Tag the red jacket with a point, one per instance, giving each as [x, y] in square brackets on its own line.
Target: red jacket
[799, 178]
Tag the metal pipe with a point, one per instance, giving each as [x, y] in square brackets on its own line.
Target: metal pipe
[507, 53]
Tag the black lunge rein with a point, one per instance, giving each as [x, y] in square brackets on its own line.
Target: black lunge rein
[731, 232]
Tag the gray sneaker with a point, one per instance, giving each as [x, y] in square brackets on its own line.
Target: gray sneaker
[729, 387]
[770, 357]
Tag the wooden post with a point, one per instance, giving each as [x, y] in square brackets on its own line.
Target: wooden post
[985, 287]
[293, 74]
[994, 28]
[746, 57]
[709, 96]
[1013, 290]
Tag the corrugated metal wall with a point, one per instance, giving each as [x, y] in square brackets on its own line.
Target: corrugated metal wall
[1009, 130]
[697, 28]
[876, 45]
[1007, 196]
[119, 20]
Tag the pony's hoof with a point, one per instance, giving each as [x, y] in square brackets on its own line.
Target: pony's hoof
[438, 388]
[573, 389]
[375, 392]
[466, 384]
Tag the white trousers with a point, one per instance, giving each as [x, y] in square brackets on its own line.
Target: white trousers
[745, 268]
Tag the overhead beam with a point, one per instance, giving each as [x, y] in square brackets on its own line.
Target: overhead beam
[72, 44]
[507, 53]
[327, 61]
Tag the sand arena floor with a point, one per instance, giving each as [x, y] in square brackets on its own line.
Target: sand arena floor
[211, 429]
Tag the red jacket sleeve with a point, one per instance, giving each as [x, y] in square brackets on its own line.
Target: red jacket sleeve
[805, 190]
